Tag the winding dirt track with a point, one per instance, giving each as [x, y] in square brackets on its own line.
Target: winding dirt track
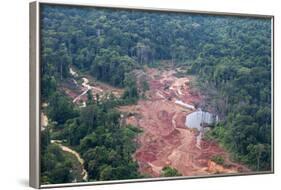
[86, 88]
[89, 84]
[76, 154]
[165, 140]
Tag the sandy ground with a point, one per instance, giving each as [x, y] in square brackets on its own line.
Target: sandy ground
[165, 140]
[44, 120]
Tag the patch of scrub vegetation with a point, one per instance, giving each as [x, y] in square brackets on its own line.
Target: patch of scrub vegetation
[168, 171]
[218, 159]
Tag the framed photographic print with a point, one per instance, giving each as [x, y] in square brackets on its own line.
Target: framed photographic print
[133, 94]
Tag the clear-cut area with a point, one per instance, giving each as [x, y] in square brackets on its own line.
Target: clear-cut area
[166, 140]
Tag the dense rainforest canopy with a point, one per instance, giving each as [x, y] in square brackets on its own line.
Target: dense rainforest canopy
[230, 57]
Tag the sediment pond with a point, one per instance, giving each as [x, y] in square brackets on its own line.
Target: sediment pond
[197, 119]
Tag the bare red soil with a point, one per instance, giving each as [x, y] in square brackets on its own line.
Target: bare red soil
[165, 140]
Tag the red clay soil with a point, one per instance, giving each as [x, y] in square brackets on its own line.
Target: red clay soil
[165, 140]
